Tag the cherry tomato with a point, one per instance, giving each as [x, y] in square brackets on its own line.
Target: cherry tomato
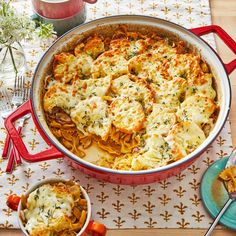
[97, 229]
[13, 201]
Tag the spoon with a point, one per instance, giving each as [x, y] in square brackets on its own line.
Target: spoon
[232, 196]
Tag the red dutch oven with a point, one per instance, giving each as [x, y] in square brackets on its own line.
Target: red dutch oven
[34, 105]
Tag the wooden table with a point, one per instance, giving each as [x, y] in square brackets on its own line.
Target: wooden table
[224, 15]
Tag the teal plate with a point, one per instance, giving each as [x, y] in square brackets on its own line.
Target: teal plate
[214, 194]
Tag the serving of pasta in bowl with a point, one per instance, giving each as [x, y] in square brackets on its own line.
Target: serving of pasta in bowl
[128, 99]
[57, 207]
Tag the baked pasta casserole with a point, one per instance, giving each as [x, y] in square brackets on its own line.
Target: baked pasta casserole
[146, 100]
[228, 175]
[55, 209]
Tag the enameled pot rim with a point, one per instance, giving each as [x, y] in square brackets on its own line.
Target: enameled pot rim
[100, 169]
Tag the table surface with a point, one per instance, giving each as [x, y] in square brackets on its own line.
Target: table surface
[224, 15]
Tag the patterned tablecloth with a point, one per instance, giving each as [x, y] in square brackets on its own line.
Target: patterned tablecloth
[172, 203]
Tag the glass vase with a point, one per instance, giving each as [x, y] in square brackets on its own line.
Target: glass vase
[12, 61]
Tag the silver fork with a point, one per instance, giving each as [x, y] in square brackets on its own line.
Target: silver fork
[6, 109]
[19, 92]
[20, 95]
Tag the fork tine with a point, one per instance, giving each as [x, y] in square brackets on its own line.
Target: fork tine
[14, 91]
[18, 89]
[22, 85]
[24, 89]
[27, 93]
[20, 92]
[18, 86]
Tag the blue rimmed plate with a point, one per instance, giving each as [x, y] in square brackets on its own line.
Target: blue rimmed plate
[214, 194]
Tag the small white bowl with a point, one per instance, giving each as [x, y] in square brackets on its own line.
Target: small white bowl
[54, 180]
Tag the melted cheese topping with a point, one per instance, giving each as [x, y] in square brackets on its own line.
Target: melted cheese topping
[185, 66]
[156, 153]
[110, 63]
[144, 64]
[164, 48]
[123, 111]
[184, 138]
[91, 115]
[201, 86]
[67, 66]
[48, 208]
[168, 93]
[94, 46]
[138, 90]
[197, 109]
[66, 96]
[59, 95]
[92, 87]
[129, 48]
[160, 122]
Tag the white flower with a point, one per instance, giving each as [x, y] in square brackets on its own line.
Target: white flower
[15, 27]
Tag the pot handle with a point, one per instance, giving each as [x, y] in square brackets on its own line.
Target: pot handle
[90, 1]
[48, 154]
[224, 36]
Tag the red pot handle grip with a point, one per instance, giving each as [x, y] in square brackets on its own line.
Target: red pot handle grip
[48, 154]
[224, 36]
